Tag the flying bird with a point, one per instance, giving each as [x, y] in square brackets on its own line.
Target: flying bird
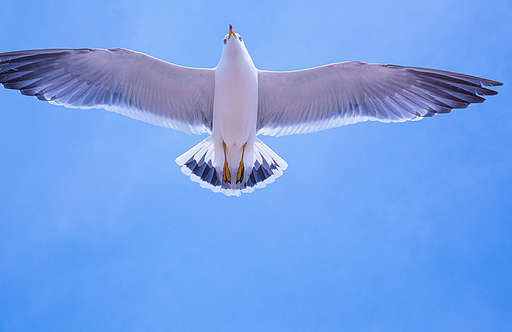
[235, 102]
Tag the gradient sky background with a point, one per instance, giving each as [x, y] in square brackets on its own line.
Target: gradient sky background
[373, 227]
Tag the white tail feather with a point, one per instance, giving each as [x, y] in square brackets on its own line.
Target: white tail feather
[198, 164]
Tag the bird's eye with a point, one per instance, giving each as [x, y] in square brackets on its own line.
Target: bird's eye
[240, 38]
[225, 40]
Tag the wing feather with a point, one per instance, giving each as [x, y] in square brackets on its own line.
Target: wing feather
[119, 80]
[329, 96]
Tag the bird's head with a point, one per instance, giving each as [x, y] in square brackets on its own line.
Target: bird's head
[233, 49]
[232, 39]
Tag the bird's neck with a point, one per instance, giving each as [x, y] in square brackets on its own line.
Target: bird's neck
[236, 60]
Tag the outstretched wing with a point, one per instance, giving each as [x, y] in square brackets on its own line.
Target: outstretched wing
[334, 95]
[118, 80]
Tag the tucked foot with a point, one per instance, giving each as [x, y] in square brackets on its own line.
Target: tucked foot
[226, 175]
[240, 173]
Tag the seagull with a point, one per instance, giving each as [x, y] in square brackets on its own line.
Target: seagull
[235, 102]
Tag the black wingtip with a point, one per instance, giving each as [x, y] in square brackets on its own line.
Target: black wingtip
[491, 83]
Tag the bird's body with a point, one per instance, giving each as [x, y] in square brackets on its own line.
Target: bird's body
[235, 101]
[235, 107]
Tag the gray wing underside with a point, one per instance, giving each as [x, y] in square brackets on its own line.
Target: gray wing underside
[118, 80]
[338, 94]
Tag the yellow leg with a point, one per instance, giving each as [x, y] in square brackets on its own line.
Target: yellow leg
[225, 172]
[240, 173]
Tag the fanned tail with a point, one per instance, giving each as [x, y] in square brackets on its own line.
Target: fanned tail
[198, 163]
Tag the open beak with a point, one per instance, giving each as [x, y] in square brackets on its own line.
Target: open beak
[231, 32]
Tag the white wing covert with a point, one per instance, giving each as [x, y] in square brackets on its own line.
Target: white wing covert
[118, 80]
[334, 95]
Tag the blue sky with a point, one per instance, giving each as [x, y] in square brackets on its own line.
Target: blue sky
[373, 227]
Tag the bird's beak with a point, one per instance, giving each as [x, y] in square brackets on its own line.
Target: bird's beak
[231, 32]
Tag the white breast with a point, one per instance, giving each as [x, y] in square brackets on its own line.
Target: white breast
[235, 105]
